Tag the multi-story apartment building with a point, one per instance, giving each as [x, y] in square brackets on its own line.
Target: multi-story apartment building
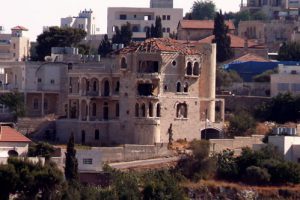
[271, 33]
[85, 21]
[272, 8]
[286, 80]
[141, 19]
[14, 46]
[149, 93]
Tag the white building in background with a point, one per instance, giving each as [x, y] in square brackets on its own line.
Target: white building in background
[142, 18]
[14, 46]
[286, 80]
[85, 21]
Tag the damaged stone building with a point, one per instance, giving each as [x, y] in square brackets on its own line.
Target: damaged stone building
[147, 93]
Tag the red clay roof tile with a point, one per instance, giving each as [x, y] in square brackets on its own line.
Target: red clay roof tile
[9, 134]
[203, 24]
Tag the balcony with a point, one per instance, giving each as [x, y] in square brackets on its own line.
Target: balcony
[147, 121]
[155, 75]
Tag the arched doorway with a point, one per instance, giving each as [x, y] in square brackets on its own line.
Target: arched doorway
[211, 133]
[13, 153]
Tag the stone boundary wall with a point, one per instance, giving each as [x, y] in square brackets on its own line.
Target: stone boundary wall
[236, 144]
[101, 155]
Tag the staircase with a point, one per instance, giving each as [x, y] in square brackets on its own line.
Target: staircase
[38, 128]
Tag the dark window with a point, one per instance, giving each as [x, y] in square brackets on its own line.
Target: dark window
[39, 80]
[46, 104]
[196, 70]
[105, 111]
[143, 110]
[145, 89]
[178, 87]
[95, 86]
[123, 63]
[150, 110]
[189, 69]
[158, 110]
[97, 134]
[186, 88]
[123, 17]
[117, 110]
[35, 104]
[94, 109]
[52, 81]
[82, 137]
[168, 30]
[168, 17]
[137, 110]
[164, 17]
[117, 87]
[106, 89]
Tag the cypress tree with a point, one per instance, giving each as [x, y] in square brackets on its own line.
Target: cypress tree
[152, 31]
[158, 28]
[224, 51]
[105, 46]
[71, 165]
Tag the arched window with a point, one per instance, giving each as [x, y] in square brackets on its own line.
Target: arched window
[123, 63]
[150, 110]
[189, 69]
[186, 87]
[87, 86]
[105, 111]
[106, 88]
[143, 110]
[97, 134]
[117, 89]
[181, 110]
[117, 109]
[158, 110]
[35, 104]
[94, 86]
[137, 110]
[82, 137]
[94, 109]
[196, 70]
[178, 87]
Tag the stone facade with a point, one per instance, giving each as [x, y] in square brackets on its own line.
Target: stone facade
[137, 96]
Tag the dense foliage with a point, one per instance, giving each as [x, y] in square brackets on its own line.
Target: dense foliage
[281, 109]
[244, 15]
[227, 78]
[123, 36]
[265, 166]
[203, 9]
[265, 76]
[223, 41]
[41, 149]
[105, 46]
[198, 165]
[71, 168]
[241, 124]
[155, 31]
[289, 51]
[15, 102]
[28, 180]
[57, 37]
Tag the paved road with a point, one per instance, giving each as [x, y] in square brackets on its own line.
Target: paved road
[142, 163]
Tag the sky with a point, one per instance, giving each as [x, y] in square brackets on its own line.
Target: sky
[34, 14]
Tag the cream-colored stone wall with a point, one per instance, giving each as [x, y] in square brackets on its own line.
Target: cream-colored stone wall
[88, 102]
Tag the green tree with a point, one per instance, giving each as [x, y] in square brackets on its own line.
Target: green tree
[84, 49]
[265, 76]
[241, 123]
[41, 149]
[289, 51]
[8, 181]
[226, 165]
[224, 51]
[162, 185]
[226, 78]
[15, 102]
[158, 28]
[105, 46]
[71, 165]
[198, 165]
[57, 37]
[203, 9]
[257, 175]
[123, 36]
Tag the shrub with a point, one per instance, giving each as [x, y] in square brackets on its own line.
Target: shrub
[241, 123]
[226, 165]
[256, 175]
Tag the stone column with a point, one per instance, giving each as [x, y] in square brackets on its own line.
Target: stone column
[212, 84]
[42, 105]
[88, 110]
[223, 110]
[79, 110]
